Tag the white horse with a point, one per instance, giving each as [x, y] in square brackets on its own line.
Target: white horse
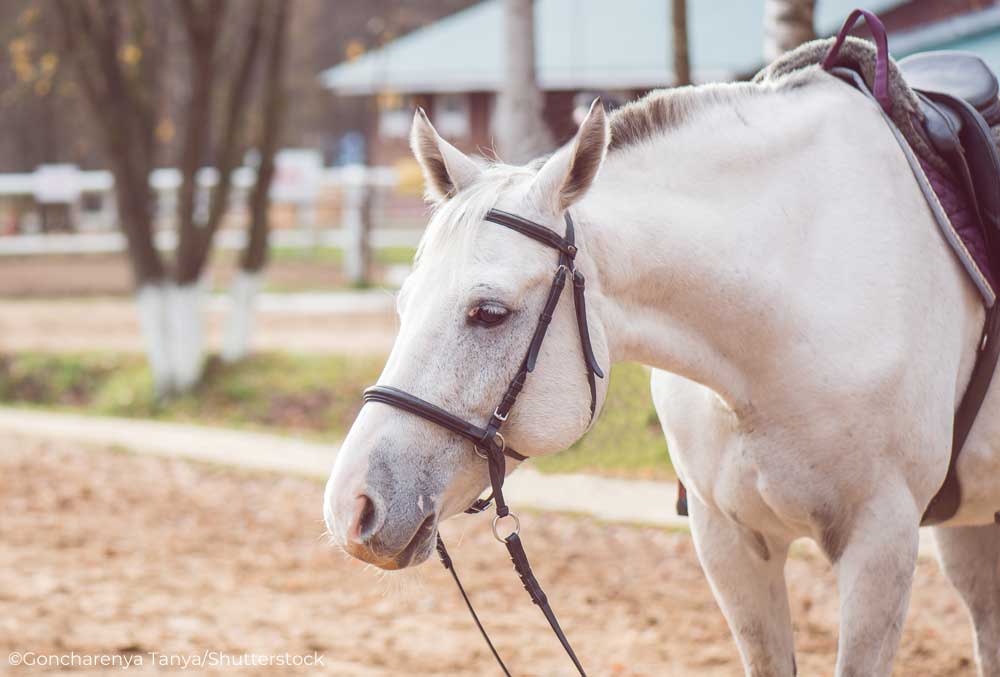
[768, 244]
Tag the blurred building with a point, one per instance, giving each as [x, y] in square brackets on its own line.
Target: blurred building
[453, 67]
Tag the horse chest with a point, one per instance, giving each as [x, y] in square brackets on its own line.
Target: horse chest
[744, 479]
[758, 478]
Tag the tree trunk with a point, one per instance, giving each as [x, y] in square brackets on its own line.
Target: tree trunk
[190, 241]
[521, 129]
[92, 36]
[125, 96]
[787, 24]
[679, 29]
[249, 279]
[356, 220]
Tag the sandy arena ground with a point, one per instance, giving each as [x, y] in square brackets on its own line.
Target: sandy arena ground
[102, 552]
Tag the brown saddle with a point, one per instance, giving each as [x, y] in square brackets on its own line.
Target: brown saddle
[957, 93]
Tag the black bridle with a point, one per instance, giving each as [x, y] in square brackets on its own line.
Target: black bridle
[487, 441]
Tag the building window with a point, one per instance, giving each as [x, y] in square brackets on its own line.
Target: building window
[395, 113]
[451, 115]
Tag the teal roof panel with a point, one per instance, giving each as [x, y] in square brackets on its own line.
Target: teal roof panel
[582, 44]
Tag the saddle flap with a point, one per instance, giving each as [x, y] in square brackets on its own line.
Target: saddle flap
[942, 124]
[958, 74]
[979, 151]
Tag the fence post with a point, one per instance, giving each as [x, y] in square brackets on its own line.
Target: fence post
[357, 223]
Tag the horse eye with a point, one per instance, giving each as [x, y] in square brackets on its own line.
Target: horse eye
[488, 314]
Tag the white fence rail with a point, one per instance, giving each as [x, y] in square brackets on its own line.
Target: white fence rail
[300, 180]
[104, 243]
[67, 182]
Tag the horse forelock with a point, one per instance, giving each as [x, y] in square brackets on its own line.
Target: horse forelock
[455, 220]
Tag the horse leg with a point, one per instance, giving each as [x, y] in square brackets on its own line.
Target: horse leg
[746, 573]
[970, 557]
[874, 576]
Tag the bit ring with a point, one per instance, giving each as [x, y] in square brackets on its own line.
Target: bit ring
[496, 436]
[496, 523]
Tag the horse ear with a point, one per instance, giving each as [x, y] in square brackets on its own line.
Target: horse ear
[446, 169]
[566, 176]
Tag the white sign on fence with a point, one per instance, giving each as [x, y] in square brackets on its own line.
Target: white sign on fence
[297, 175]
[57, 184]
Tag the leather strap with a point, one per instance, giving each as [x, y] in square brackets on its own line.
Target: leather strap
[593, 368]
[536, 232]
[435, 414]
[946, 501]
[523, 569]
[877, 29]
[450, 566]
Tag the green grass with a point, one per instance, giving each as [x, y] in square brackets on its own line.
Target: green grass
[626, 440]
[334, 255]
[315, 395]
[312, 395]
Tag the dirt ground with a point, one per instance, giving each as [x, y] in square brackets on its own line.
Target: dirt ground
[103, 552]
[108, 274]
[112, 324]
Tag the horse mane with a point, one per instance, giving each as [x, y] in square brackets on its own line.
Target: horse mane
[663, 110]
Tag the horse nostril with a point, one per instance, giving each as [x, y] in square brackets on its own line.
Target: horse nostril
[366, 522]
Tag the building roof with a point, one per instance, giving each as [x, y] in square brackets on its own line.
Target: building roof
[977, 32]
[581, 44]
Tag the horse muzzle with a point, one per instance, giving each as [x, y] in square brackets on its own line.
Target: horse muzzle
[368, 531]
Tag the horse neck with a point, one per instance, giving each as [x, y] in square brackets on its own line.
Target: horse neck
[694, 239]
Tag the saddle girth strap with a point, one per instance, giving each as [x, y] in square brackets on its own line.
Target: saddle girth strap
[946, 501]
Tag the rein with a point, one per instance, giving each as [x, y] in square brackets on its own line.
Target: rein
[487, 441]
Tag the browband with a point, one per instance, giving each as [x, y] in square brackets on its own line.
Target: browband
[536, 232]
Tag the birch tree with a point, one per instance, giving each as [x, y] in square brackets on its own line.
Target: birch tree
[787, 24]
[249, 277]
[120, 52]
[521, 130]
